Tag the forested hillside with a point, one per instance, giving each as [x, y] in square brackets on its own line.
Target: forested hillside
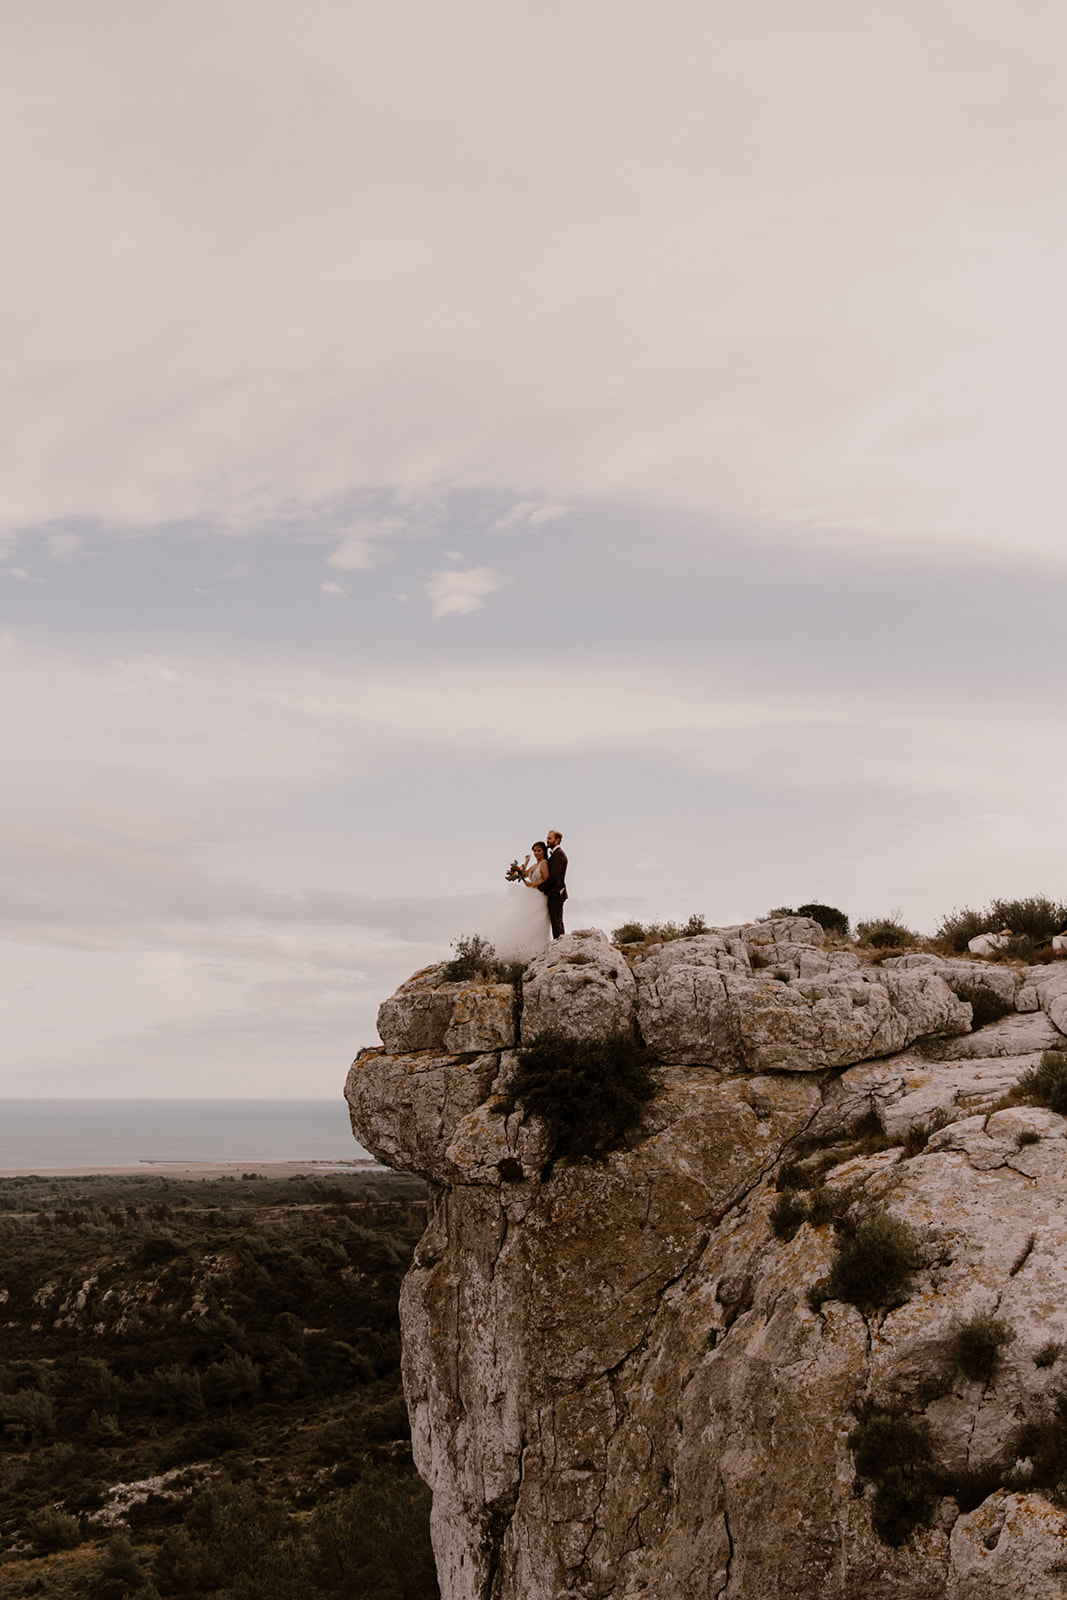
[200, 1389]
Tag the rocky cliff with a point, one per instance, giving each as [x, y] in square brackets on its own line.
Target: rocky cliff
[620, 1382]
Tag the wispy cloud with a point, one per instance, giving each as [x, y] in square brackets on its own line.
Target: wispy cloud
[457, 593]
[528, 513]
[358, 554]
[334, 589]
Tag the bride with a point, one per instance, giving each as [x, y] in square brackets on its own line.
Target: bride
[520, 929]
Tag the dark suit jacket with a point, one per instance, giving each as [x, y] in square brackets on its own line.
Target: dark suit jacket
[554, 884]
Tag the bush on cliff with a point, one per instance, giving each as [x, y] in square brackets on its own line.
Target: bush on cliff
[590, 1091]
[476, 958]
[894, 1453]
[986, 1005]
[976, 1344]
[874, 1267]
[638, 932]
[1037, 918]
[886, 933]
[830, 920]
[1045, 1085]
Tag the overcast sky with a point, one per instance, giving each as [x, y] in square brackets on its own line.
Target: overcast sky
[425, 425]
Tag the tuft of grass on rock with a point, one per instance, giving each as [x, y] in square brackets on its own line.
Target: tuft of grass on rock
[1048, 1355]
[787, 1214]
[590, 1091]
[975, 1346]
[874, 1267]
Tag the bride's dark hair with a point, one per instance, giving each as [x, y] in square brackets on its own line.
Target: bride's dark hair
[539, 844]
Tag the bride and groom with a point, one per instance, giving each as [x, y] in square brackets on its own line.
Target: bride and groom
[527, 922]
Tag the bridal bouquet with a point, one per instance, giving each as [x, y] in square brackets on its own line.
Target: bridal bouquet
[514, 874]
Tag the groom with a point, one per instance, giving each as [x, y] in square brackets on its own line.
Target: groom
[554, 886]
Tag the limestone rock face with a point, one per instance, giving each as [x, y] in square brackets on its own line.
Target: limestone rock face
[411, 1106]
[583, 978]
[428, 1014]
[696, 1002]
[618, 1387]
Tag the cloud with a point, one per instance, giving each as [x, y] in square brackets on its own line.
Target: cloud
[530, 512]
[357, 554]
[715, 271]
[62, 544]
[457, 593]
[334, 589]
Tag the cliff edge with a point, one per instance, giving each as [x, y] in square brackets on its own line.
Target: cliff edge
[628, 1376]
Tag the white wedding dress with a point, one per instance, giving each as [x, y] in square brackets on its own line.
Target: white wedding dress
[518, 928]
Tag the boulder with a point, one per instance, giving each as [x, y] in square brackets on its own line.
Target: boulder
[1052, 994]
[406, 1109]
[1011, 1546]
[426, 1013]
[1014, 1035]
[581, 984]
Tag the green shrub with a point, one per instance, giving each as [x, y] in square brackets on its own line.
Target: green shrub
[590, 1091]
[976, 1344]
[120, 1572]
[1020, 947]
[886, 933]
[986, 1005]
[476, 958]
[958, 928]
[1045, 1085]
[638, 932]
[787, 1214]
[874, 1267]
[894, 1453]
[826, 1205]
[52, 1529]
[790, 1176]
[1048, 1355]
[830, 920]
[1036, 918]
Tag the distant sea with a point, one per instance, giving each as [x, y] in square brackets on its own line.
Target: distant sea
[123, 1133]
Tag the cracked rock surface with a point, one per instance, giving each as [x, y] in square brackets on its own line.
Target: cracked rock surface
[616, 1384]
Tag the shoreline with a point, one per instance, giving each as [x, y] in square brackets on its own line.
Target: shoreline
[203, 1169]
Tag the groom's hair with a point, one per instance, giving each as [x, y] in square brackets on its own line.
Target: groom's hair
[556, 832]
